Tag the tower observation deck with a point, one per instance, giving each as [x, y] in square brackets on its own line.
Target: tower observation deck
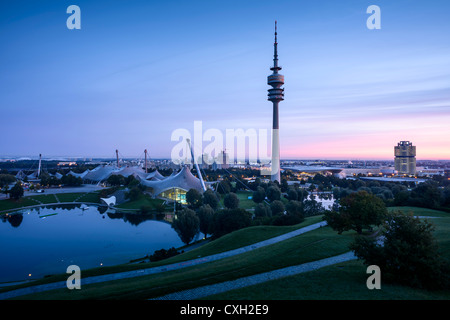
[276, 94]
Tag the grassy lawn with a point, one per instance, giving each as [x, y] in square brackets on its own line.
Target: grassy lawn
[241, 238]
[10, 204]
[143, 200]
[244, 201]
[421, 211]
[44, 198]
[92, 197]
[68, 197]
[337, 282]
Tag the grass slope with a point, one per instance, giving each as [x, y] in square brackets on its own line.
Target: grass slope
[348, 280]
[344, 281]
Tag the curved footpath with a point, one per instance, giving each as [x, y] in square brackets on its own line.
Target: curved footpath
[180, 265]
[208, 290]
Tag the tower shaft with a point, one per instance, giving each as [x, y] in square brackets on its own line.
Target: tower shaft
[276, 94]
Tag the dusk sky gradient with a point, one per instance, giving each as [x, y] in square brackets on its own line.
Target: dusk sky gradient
[138, 70]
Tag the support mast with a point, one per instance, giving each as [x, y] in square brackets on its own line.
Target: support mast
[196, 166]
[145, 165]
[39, 167]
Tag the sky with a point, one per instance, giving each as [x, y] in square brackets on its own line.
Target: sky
[137, 71]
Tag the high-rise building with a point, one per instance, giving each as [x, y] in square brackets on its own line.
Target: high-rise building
[276, 94]
[223, 160]
[405, 158]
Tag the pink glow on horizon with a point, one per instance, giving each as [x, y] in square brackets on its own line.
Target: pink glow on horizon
[432, 142]
[352, 132]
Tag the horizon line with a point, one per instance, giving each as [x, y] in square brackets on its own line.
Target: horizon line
[310, 158]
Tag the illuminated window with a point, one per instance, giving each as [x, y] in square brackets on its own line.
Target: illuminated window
[175, 194]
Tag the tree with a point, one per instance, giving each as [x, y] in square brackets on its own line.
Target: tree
[302, 194]
[294, 214]
[406, 252]
[401, 198]
[16, 192]
[5, 189]
[206, 216]
[277, 207]
[134, 193]
[259, 195]
[262, 210]
[163, 254]
[446, 196]
[211, 198]
[131, 181]
[186, 225]
[224, 187]
[6, 179]
[359, 210]
[229, 220]
[426, 195]
[312, 208]
[292, 194]
[273, 193]
[194, 198]
[231, 201]
[295, 208]
[284, 185]
[115, 180]
[70, 180]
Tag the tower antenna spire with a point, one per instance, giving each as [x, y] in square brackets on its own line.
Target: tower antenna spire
[275, 51]
[275, 31]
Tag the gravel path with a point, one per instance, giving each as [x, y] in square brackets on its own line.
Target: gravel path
[209, 290]
[174, 266]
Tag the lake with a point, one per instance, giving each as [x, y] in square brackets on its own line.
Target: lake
[46, 240]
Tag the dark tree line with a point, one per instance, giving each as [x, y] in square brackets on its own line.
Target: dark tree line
[270, 209]
[204, 215]
[433, 193]
[67, 180]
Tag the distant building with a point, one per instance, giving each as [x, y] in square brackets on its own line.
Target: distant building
[223, 160]
[405, 158]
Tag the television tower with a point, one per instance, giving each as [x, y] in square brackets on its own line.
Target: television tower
[276, 94]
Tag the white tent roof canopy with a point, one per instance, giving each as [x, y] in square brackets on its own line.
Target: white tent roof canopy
[80, 175]
[100, 173]
[182, 180]
[131, 170]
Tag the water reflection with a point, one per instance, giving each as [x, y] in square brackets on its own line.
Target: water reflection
[45, 240]
[14, 219]
[133, 218]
